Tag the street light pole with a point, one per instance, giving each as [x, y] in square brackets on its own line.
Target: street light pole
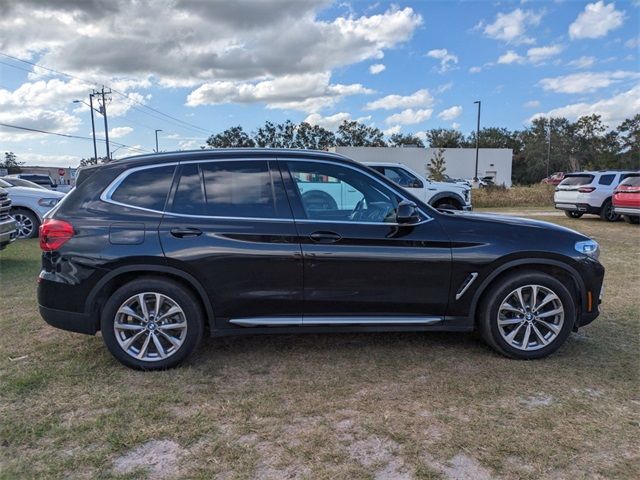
[475, 177]
[157, 130]
[106, 125]
[549, 149]
[93, 128]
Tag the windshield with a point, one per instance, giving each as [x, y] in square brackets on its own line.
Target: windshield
[4, 184]
[577, 180]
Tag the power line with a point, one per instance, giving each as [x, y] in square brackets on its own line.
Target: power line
[68, 135]
[184, 123]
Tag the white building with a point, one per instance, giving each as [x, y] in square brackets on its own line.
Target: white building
[459, 162]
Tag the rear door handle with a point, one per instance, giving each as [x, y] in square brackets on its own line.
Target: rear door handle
[186, 232]
[325, 237]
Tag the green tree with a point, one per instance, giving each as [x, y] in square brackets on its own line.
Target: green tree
[398, 140]
[85, 162]
[629, 141]
[314, 137]
[444, 138]
[231, 138]
[436, 166]
[356, 134]
[11, 163]
[281, 135]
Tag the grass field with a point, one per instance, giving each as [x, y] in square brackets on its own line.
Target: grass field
[537, 195]
[388, 406]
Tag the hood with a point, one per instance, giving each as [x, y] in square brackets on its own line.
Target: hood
[450, 186]
[34, 192]
[515, 222]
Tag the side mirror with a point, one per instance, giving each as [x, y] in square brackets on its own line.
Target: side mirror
[407, 213]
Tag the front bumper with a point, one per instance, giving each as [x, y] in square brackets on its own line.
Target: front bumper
[8, 232]
[467, 208]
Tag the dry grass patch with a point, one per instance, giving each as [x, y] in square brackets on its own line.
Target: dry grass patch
[538, 195]
[357, 406]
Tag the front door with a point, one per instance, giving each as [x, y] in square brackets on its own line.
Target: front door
[228, 223]
[357, 259]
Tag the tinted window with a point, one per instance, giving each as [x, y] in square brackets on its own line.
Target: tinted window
[189, 196]
[632, 181]
[606, 179]
[402, 177]
[146, 188]
[241, 189]
[577, 180]
[333, 192]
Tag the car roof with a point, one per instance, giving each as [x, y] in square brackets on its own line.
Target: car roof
[224, 153]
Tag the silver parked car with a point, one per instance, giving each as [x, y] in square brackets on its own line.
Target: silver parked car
[29, 205]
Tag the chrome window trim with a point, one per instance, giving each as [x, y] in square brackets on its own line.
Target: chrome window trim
[106, 194]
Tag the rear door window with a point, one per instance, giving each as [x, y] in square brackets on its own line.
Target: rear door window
[147, 188]
[189, 197]
[576, 180]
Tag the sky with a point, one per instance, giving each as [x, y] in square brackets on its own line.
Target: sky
[192, 68]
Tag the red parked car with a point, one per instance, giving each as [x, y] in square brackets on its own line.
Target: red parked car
[626, 199]
[554, 179]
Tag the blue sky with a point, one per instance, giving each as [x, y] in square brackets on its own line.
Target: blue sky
[402, 66]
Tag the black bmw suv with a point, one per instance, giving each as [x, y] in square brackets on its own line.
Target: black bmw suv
[158, 250]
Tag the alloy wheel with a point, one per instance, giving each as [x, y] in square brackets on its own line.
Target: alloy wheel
[530, 317]
[150, 326]
[25, 225]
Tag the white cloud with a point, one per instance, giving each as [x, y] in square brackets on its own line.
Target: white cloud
[308, 92]
[392, 130]
[582, 62]
[539, 54]
[586, 81]
[455, 126]
[510, 57]
[475, 69]
[377, 68]
[632, 42]
[31, 158]
[119, 132]
[420, 98]
[447, 60]
[596, 20]
[531, 104]
[450, 113]
[409, 117]
[512, 27]
[613, 110]
[330, 122]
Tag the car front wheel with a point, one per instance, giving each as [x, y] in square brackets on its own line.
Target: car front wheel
[527, 315]
[151, 324]
[572, 214]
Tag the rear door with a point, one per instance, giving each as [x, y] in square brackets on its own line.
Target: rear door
[229, 224]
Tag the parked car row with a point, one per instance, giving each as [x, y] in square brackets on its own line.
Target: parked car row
[597, 193]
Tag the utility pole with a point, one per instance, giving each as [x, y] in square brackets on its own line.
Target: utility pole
[475, 177]
[157, 130]
[103, 110]
[93, 128]
[549, 149]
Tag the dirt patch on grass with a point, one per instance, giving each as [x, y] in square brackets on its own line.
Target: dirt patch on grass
[159, 458]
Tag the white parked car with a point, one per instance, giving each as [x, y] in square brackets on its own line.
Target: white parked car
[28, 207]
[452, 196]
[589, 192]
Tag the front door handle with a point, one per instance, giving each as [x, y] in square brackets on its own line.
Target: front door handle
[325, 237]
[186, 232]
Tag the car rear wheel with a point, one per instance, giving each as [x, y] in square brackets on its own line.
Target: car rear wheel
[607, 213]
[527, 315]
[27, 222]
[631, 219]
[151, 324]
[573, 214]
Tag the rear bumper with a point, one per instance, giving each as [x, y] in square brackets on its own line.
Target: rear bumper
[577, 207]
[627, 211]
[71, 321]
[8, 232]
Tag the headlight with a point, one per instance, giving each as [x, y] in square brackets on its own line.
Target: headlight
[48, 202]
[589, 248]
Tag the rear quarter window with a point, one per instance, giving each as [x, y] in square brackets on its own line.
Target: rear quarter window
[577, 180]
[606, 179]
[633, 181]
[147, 188]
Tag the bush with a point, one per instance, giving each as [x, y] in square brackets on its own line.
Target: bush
[540, 195]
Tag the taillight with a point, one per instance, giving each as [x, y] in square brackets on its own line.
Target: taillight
[586, 189]
[627, 190]
[54, 234]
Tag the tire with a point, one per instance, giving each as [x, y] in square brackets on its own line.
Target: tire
[607, 213]
[318, 200]
[631, 219]
[492, 311]
[187, 317]
[28, 223]
[448, 205]
[573, 214]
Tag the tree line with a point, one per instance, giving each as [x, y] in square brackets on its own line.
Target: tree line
[548, 145]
